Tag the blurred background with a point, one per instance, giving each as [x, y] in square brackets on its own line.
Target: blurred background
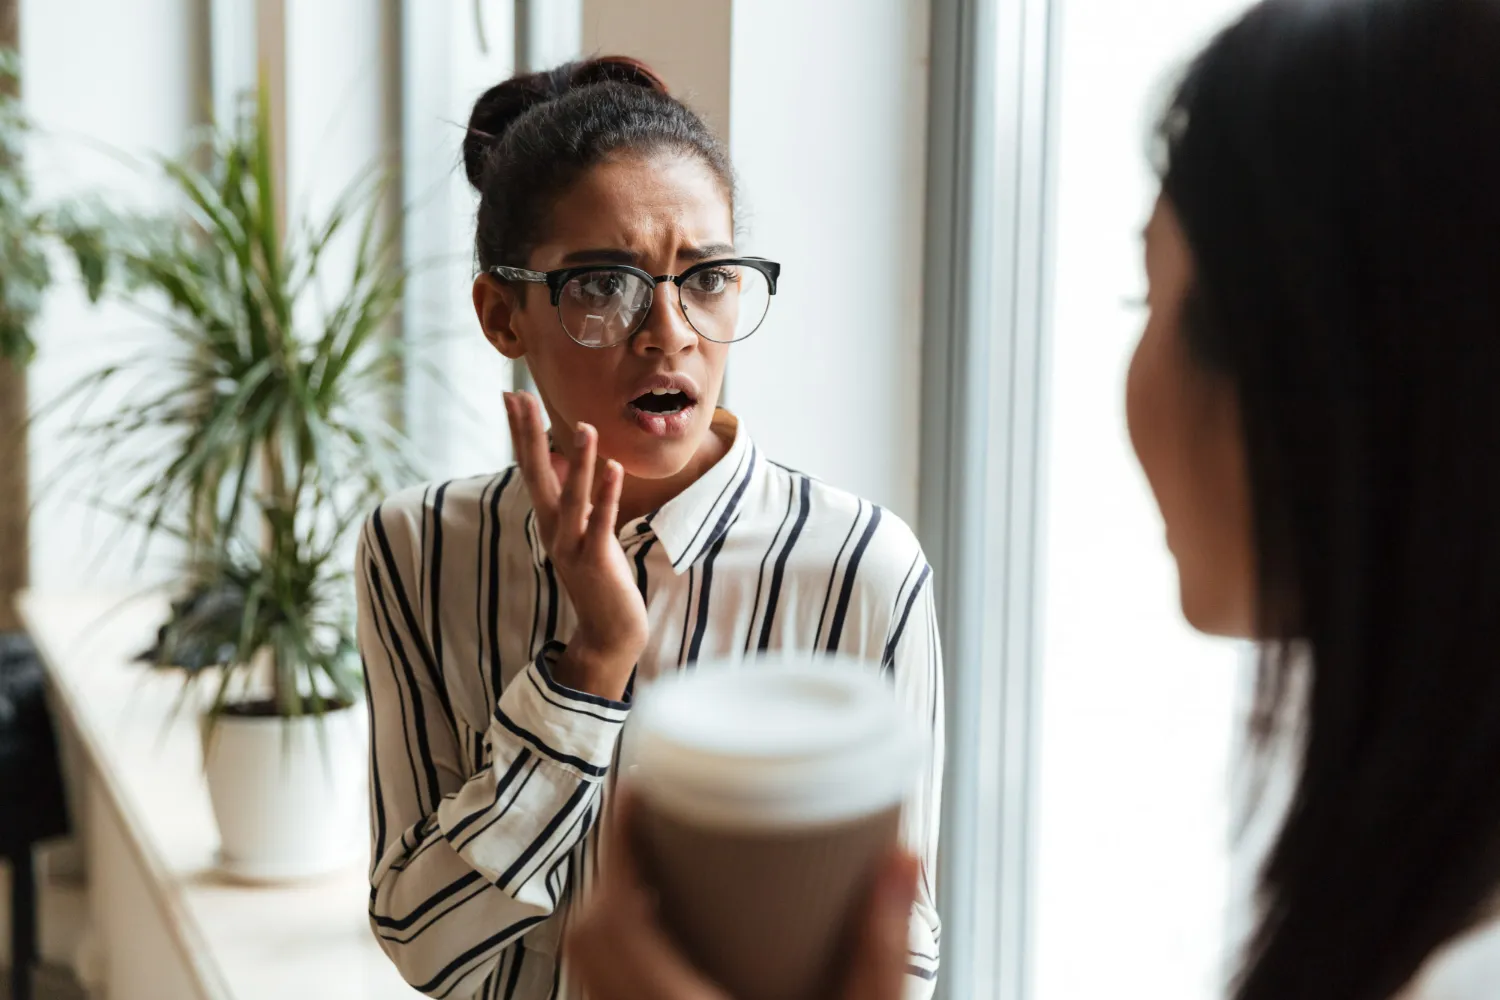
[955, 190]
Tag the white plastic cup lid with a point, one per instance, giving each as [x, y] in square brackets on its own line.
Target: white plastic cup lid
[774, 743]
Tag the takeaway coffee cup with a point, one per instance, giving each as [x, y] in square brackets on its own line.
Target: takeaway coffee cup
[768, 793]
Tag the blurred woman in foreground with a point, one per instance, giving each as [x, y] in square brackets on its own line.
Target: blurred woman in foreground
[1316, 404]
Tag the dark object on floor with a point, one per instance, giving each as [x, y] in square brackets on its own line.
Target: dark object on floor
[32, 803]
[52, 983]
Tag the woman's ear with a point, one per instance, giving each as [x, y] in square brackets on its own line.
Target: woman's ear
[498, 307]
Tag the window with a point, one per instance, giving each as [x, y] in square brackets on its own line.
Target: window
[1138, 719]
[1087, 834]
[450, 54]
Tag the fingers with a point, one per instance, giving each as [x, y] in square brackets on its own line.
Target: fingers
[880, 951]
[616, 945]
[622, 867]
[529, 439]
[606, 512]
[578, 488]
[625, 955]
[563, 491]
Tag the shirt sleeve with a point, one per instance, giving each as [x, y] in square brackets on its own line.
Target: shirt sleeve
[462, 869]
[914, 659]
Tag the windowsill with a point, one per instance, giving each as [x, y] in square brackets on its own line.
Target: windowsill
[309, 939]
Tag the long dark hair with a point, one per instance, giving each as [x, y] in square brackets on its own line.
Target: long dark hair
[532, 136]
[1335, 166]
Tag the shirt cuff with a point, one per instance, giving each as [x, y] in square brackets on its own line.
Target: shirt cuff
[573, 728]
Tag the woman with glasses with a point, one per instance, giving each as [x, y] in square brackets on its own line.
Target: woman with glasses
[1315, 402]
[507, 621]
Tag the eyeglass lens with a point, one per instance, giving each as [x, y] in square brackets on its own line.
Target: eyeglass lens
[724, 304]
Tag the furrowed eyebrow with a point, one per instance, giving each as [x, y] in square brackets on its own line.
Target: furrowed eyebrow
[616, 255]
[707, 252]
[602, 255]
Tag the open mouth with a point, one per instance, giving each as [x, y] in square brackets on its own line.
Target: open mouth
[663, 402]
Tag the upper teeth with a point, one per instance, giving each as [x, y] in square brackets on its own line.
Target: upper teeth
[665, 392]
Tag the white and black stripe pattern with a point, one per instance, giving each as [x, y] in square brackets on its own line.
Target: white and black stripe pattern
[489, 780]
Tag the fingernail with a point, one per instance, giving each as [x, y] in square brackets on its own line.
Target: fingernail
[581, 435]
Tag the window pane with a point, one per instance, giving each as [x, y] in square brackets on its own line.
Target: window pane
[1138, 712]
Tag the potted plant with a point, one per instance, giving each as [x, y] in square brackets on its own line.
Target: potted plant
[277, 395]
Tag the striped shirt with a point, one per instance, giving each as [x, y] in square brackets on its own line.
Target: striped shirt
[488, 778]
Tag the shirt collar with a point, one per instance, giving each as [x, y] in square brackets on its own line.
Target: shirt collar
[693, 521]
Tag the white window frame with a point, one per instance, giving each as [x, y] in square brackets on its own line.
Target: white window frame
[989, 224]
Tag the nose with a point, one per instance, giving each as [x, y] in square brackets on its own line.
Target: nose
[666, 330]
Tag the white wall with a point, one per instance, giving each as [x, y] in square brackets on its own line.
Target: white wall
[686, 41]
[1138, 713]
[828, 130]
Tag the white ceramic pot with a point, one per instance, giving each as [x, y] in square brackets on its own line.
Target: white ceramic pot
[289, 795]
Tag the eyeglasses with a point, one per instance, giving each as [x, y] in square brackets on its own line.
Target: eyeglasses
[602, 305]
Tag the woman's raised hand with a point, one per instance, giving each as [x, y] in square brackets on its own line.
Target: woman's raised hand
[577, 505]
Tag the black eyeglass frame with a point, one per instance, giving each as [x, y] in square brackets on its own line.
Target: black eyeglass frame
[557, 280]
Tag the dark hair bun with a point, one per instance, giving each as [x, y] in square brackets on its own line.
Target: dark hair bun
[503, 104]
[617, 69]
